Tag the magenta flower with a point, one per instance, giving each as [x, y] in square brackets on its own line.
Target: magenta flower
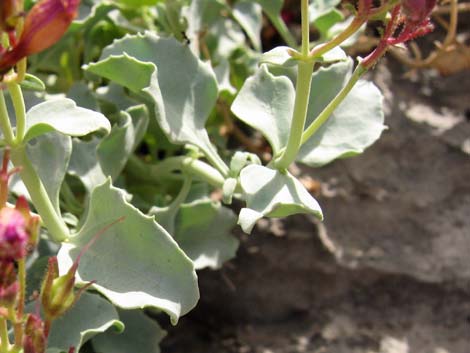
[13, 235]
[44, 25]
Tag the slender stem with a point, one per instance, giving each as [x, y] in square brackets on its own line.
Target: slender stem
[305, 28]
[302, 97]
[5, 342]
[5, 124]
[53, 222]
[20, 110]
[189, 165]
[18, 325]
[282, 29]
[330, 108]
[340, 38]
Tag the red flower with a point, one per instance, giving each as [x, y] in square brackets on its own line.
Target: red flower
[44, 25]
[417, 11]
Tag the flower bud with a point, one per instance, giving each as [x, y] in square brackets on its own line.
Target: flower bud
[13, 235]
[44, 25]
[9, 285]
[34, 340]
[417, 11]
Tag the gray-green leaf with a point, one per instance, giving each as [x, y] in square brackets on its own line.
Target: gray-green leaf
[150, 270]
[141, 334]
[90, 316]
[270, 193]
[63, 115]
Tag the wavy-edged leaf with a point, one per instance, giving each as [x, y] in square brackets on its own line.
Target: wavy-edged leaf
[150, 270]
[249, 16]
[183, 88]
[141, 334]
[63, 115]
[270, 193]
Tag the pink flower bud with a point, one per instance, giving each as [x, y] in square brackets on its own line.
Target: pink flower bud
[34, 340]
[13, 235]
[44, 25]
[9, 285]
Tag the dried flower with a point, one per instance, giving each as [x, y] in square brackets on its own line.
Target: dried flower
[35, 339]
[9, 285]
[13, 235]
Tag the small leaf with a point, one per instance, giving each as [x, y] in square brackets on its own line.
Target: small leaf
[278, 56]
[141, 334]
[150, 271]
[270, 193]
[33, 83]
[63, 115]
[90, 316]
[265, 103]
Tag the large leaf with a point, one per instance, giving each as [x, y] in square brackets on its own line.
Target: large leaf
[136, 264]
[90, 316]
[265, 103]
[63, 115]
[183, 88]
[202, 229]
[353, 126]
[141, 334]
[271, 193]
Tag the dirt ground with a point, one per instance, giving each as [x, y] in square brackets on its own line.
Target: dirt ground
[389, 269]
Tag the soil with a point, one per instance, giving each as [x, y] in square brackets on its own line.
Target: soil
[389, 269]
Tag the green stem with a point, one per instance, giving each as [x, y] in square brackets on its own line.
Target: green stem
[302, 96]
[5, 342]
[330, 108]
[181, 197]
[5, 124]
[53, 222]
[353, 27]
[305, 28]
[304, 80]
[166, 168]
[282, 29]
[18, 325]
[216, 161]
[20, 110]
